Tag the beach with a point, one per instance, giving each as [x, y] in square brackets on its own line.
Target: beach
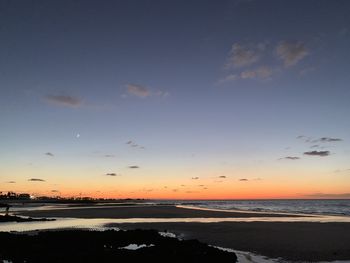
[296, 241]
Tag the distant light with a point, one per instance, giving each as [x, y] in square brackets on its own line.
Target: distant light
[78, 135]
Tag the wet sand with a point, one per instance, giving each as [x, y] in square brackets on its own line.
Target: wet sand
[163, 211]
[299, 241]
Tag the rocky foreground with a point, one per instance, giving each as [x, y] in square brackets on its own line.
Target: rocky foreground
[105, 246]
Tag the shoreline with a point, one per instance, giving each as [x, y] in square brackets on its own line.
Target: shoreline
[148, 211]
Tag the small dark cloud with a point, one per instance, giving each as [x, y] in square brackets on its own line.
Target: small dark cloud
[49, 154]
[111, 174]
[290, 158]
[329, 139]
[195, 178]
[55, 191]
[11, 182]
[108, 155]
[222, 176]
[134, 167]
[317, 153]
[243, 180]
[61, 100]
[175, 190]
[134, 145]
[319, 140]
[36, 180]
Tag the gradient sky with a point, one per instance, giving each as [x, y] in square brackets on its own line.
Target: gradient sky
[175, 99]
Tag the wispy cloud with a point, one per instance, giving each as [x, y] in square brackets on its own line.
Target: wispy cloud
[109, 155]
[195, 178]
[263, 72]
[244, 59]
[63, 100]
[134, 145]
[243, 180]
[11, 182]
[222, 176]
[134, 167]
[49, 154]
[243, 55]
[143, 91]
[290, 158]
[138, 90]
[291, 52]
[318, 140]
[36, 180]
[317, 153]
[329, 139]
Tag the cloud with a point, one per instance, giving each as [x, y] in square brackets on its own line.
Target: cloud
[111, 174]
[62, 100]
[11, 182]
[195, 178]
[161, 93]
[108, 155]
[243, 56]
[329, 139]
[317, 153]
[243, 180]
[134, 167]
[323, 195]
[49, 154]
[138, 91]
[55, 191]
[134, 145]
[291, 52]
[322, 140]
[36, 180]
[263, 72]
[290, 158]
[222, 176]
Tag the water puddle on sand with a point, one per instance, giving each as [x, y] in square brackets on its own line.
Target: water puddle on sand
[60, 223]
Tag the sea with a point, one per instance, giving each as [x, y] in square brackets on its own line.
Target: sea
[295, 206]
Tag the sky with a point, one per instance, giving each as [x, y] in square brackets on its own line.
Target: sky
[231, 99]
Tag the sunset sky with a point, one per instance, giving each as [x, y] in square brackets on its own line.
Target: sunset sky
[176, 99]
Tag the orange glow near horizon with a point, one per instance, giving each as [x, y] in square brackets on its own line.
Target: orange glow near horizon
[199, 184]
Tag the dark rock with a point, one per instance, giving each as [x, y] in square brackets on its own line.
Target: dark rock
[104, 246]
